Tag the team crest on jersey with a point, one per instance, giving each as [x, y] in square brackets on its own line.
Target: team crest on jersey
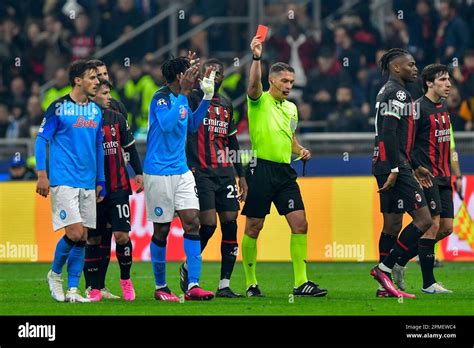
[112, 131]
[62, 214]
[401, 95]
[418, 197]
[183, 112]
[158, 211]
[433, 205]
[161, 101]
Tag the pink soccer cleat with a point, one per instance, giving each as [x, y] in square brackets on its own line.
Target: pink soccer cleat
[165, 294]
[198, 294]
[127, 289]
[94, 295]
[385, 281]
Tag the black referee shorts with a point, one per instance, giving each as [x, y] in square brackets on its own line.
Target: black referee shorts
[406, 195]
[271, 182]
[440, 200]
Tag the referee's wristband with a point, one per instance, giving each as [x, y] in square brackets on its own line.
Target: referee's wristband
[256, 58]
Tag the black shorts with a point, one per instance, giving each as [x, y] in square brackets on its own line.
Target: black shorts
[217, 192]
[406, 195]
[271, 182]
[113, 211]
[440, 200]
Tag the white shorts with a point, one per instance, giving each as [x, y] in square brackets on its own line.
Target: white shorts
[166, 194]
[71, 205]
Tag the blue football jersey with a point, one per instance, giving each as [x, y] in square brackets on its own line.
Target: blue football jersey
[169, 119]
[74, 133]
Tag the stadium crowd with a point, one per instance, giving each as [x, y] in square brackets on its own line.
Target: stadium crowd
[337, 76]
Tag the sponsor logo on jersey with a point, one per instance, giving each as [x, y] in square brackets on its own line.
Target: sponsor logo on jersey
[81, 122]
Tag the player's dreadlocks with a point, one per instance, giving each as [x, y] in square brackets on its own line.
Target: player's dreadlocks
[389, 56]
[174, 66]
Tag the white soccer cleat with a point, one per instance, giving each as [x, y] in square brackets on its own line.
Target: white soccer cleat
[398, 274]
[55, 283]
[108, 295]
[436, 288]
[73, 295]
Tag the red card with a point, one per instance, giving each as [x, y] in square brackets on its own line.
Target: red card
[262, 32]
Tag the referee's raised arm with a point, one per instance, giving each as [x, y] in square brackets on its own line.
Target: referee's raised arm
[254, 89]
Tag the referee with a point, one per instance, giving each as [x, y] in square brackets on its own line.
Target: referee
[272, 125]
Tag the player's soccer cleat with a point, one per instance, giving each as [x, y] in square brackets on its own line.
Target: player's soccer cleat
[107, 294]
[183, 278]
[384, 280]
[436, 288]
[398, 274]
[383, 293]
[405, 294]
[309, 289]
[254, 291]
[128, 291]
[73, 295]
[94, 295]
[165, 294]
[198, 294]
[227, 293]
[55, 283]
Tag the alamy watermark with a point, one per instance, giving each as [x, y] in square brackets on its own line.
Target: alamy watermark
[237, 156]
[19, 251]
[345, 251]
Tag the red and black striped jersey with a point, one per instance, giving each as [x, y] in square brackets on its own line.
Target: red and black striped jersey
[207, 150]
[394, 102]
[433, 141]
[116, 136]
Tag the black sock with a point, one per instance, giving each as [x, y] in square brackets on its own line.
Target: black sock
[412, 252]
[124, 257]
[408, 237]
[229, 248]
[427, 255]
[386, 243]
[91, 266]
[105, 253]
[205, 233]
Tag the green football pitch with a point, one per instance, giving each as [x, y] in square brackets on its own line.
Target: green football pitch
[24, 291]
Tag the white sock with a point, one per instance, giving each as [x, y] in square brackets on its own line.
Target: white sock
[160, 287]
[384, 268]
[224, 283]
[191, 285]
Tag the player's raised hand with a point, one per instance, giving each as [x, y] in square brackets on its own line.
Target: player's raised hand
[207, 83]
[42, 186]
[188, 78]
[139, 183]
[391, 180]
[424, 177]
[256, 46]
[193, 59]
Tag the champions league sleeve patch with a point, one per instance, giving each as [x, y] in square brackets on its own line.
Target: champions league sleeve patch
[401, 95]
